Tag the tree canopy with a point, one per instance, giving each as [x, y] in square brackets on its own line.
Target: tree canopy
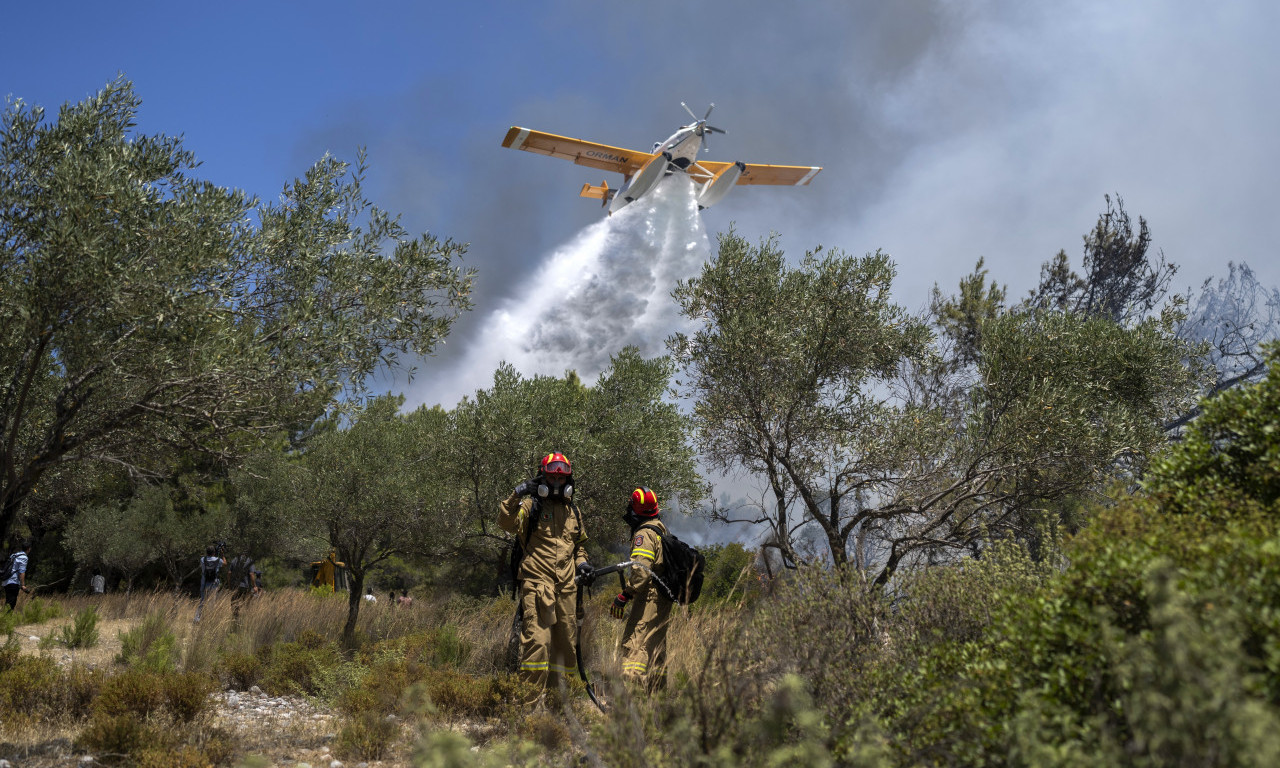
[143, 309]
[902, 438]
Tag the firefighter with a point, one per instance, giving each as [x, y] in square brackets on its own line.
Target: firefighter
[644, 637]
[548, 529]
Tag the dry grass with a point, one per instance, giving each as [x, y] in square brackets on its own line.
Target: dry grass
[481, 628]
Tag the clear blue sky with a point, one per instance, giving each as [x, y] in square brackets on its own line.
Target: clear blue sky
[949, 129]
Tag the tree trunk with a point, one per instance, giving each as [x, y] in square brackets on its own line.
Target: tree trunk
[354, 595]
[8, 514]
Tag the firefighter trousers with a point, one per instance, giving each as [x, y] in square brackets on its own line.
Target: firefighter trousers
[549, 635]
[644, 641]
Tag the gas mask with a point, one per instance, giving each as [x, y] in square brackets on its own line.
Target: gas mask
[545, 490]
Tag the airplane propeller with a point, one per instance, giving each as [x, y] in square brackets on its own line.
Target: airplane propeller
[702, 128]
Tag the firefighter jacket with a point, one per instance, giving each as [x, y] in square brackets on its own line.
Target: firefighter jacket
[555, 544]
[646, 548]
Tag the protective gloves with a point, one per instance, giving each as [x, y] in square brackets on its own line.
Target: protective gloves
[619, 607]
[586, 574]
[526, 488]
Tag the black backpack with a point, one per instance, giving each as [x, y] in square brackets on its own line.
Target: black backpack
[211, 567]
[6, 572]
[682, 568]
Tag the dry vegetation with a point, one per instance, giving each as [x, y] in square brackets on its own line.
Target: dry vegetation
[436, 667]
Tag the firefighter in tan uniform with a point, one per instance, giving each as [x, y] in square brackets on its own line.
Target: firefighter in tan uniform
[644, 637]
[545, 523]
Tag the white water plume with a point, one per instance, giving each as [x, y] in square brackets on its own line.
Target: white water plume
[607, 288]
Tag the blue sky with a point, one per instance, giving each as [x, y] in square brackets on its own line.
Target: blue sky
[948, 129]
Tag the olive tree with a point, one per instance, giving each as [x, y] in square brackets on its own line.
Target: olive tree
[370, 491]
[144, 310]
[898, 444]
[787, 377]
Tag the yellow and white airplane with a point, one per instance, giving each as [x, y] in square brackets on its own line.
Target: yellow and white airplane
[643, 170]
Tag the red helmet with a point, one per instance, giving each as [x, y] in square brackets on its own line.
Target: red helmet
[556, 464]
[644, 502]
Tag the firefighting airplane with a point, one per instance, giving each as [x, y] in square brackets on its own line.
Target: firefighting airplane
[643, 170]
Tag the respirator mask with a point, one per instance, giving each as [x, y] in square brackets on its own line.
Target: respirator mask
[562, 490]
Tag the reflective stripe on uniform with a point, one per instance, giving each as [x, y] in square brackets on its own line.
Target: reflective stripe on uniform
[638, 552]
[635, 666]
[563, 669]
[533, 665]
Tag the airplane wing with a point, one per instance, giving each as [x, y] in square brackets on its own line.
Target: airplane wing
[755, 173]
[602, 156]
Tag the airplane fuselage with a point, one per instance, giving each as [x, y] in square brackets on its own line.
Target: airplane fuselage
[683, 146]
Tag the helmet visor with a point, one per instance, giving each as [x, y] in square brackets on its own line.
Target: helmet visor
[556, 468]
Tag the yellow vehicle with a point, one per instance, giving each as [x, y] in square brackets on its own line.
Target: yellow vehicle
[329, 573]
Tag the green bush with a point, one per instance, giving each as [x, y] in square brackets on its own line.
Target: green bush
[295, 668]
[448, 648]
[730, 574]
[83, 631]
[33, 611]
[149, 646]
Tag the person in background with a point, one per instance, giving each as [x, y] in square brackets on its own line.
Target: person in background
[211, 566]
[17, 581]
[368, 595]
[97, 584]
[405, 600]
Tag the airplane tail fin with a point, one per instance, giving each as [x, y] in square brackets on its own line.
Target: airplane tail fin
[601, 193]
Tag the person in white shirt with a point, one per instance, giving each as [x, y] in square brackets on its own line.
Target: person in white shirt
[17, 581]
[368, 595]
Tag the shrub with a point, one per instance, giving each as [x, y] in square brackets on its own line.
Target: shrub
[367, 736]
[449, 649]
[462, 695]
[150, 646]
[83, 632]
[135, 691]
[9, 652]
[30, 687]
[183, 695]
[184, 756]
[36, 687]
[37, 611]
[186, 695]
[81, 688]
[241, 670]
[295, 668]
[113, 737]
[730, 574]
[545, 729]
